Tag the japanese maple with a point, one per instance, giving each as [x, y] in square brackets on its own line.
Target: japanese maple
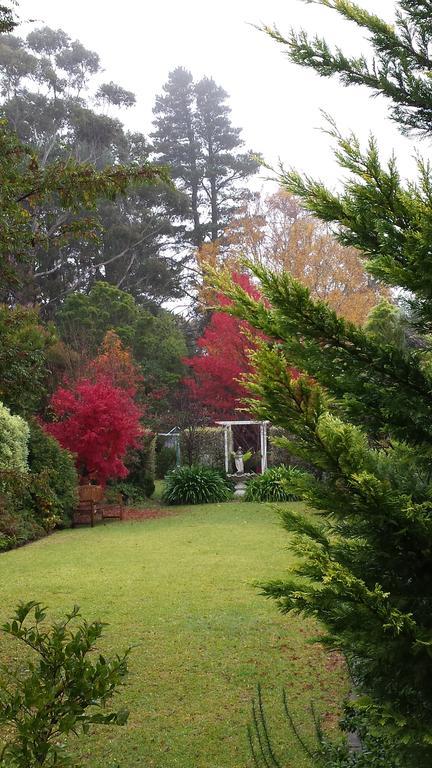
[99, 423]
[223, 360]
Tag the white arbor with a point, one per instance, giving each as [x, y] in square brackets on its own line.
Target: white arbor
[228, 425]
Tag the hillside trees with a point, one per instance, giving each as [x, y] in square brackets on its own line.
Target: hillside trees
[51, 207]
[361, 411]
[194, 136]
[8, 20]
[155, 338]
[46, 84]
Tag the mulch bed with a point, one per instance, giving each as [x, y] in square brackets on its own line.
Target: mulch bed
[131, 514]
[147, 514]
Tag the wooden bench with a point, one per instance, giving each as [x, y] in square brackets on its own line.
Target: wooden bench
[92, 507]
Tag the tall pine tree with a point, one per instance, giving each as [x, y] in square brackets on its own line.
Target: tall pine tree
[361, 413]
[194, 136]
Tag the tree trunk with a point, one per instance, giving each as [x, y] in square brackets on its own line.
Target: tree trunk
[197, 233]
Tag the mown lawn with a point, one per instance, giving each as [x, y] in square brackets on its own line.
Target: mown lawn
[179, 589]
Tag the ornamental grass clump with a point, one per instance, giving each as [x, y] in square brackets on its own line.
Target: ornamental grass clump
[274, 484]
[195, 485]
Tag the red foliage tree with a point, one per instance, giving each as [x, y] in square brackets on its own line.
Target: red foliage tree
[224, 358]
[99, 423]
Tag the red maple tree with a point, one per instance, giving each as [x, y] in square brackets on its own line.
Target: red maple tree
[224, 346]
[99, 423]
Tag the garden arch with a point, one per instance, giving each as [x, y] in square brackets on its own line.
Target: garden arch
[228, 439]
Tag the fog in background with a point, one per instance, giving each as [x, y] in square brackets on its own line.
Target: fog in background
[275, 102]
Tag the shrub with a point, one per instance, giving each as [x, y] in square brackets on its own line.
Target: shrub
[41, 501]
[14, 435]
[228, 479]
[148, 486]
[18, 524]
[165, 461]
[47, 455]
[141, 464]
[129, 493]
[277, 454]
[195, 485]
[33, 503]
[65, 689]
[29, 507]
[204, 445]
[24, 367]
[272, 485]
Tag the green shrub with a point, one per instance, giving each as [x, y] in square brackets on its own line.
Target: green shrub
[18, 523]
[203, 445]
[47, 457]
[272, 485]
[14, 435]
[277, 454]
[39, 495]
[165, 461]
[24, 366]
[195, 485]
[148, 486]
[64, 690]
[228, 479]
[141, 464]
[130, 494]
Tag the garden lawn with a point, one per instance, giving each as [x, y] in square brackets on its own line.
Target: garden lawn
[179, 590]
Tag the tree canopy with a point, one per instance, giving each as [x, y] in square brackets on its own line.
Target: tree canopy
[52, 99]
[193, 134]
[277, 232]
[155, 338]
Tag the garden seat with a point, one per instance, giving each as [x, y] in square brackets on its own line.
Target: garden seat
[93, 508]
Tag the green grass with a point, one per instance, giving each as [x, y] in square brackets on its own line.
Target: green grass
[179, 589]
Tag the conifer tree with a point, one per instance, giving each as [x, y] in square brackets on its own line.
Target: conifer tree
[175, 139]
[361, 412]
[194, 136]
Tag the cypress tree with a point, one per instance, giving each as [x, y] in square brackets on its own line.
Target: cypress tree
[361, 411]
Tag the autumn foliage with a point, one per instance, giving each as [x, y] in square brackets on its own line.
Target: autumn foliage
[223, 360]
[116, 364]
[96, 417]
[277, 233]
[98, 422]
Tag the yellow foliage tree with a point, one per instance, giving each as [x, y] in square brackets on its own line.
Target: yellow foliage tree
[277, 232]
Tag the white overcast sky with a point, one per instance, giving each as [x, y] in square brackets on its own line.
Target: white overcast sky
[275, 102]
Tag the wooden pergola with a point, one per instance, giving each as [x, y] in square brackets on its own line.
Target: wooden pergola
[228, 425]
